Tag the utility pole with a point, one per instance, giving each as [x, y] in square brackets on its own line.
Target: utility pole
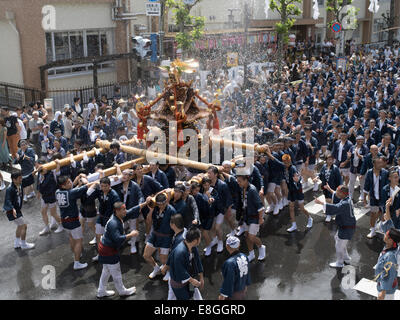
[246, 28]
[161, 30]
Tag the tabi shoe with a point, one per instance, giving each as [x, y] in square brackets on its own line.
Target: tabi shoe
[17, 244]
[214, 242]
[25, 198]
[292, 228]
[261, 253]
[207, 251]
[53, 223]
[371, 234]
[166, 277]
[46, 230]
[95, 258]
[231, 234]
[31, 195]
[108, 293]
[93, 241]
[2, 186]
[336, 265]
[251, 256]
[309, 223]
[27, 246]
[156, 271]
[220, 247]
[280, 204]
[128, 292]
[241, 231]
[276, 209]
[133, 249]
[59, 229]
[79, 266]
[328, 218]
[347, 261]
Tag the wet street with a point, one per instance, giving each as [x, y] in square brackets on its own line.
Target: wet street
[296, 266]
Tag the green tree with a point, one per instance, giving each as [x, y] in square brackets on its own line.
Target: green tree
[336, 7]
[344, 13]
[191, 28]
[287, 9]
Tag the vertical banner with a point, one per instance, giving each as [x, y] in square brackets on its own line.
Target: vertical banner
[154, 42]
[232, 59]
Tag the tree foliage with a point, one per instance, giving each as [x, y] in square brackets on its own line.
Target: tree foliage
[191, 28]
[336, 7]
[287, 10]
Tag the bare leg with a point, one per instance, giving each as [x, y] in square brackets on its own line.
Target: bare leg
[53, 213]
[148, 255]
[206, 237]
[291, 212]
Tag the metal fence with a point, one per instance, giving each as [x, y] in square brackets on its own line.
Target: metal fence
[14, 96]
[62, 97]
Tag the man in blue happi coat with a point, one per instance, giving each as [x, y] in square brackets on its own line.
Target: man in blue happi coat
[235, 272]
[185, 265]
[112, 239]
[345, 221]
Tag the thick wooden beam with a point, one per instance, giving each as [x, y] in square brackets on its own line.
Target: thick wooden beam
[150, 154]
[67, 161]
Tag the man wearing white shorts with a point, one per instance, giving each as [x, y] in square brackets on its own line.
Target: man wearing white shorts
[339, 151]
[226, 203]
[66, 200]
[12, 206]
[253, 210]
[161, 235]
[47, 193]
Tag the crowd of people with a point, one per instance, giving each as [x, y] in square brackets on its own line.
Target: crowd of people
[347, 117]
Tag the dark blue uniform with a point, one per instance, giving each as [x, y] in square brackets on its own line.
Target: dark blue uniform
[207, 211]
[13, 200]
[66, 200]
[106, 207]
[161, 236]
[133, 195]
[394, 207]
[114, 237]
[47, 186]
[235, 272]
[370, 187]
[161, 177]
[330, 176]
[345, 219]
[251, 205]
[183, 266]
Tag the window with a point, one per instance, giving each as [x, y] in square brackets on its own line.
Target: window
[78, 44]
[61, 46]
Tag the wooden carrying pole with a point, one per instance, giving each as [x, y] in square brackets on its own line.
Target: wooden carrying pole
[146, 153]
[235, 144]
[228, 143]
[123, 166]
[67, 161]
